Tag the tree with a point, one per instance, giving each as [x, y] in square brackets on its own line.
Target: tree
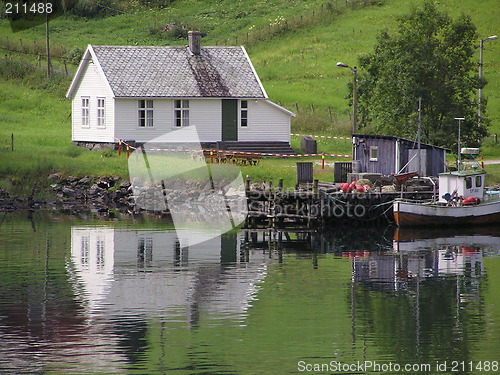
[430, 57]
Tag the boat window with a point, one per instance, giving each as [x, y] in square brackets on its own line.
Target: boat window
[479, 181]
[468, 182]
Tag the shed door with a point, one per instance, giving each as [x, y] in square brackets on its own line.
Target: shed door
[229, 120]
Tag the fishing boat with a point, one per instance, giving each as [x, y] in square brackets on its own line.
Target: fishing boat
[463, 200]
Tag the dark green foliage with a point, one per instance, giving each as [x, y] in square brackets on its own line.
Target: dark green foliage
[18, 70]
[90, 8]
[155, 3]
[430, 57]
[74, 56]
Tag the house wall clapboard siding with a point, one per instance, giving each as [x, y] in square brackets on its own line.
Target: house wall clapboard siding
[266, 122]
[205, 114]
[92, 86]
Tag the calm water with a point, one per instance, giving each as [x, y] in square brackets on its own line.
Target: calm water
[86, 296]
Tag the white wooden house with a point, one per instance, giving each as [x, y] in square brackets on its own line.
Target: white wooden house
[140, 93]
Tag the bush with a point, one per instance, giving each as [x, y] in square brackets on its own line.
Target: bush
[73, 151]
[74, 56]
[90, 9]
[12, 69]
[155, 3]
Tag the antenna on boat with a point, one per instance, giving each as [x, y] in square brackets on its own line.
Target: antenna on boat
[419, 165]
[459, 160]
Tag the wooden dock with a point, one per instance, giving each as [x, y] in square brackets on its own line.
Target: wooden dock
[312, 205]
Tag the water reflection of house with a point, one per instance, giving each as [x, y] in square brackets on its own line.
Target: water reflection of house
[130, 272]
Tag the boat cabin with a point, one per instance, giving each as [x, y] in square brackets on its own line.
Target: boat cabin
[465, 183]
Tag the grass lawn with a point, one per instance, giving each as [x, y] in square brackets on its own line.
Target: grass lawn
[295, 61]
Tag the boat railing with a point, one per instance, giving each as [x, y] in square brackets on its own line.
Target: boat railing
[491, 195]
[418, 201]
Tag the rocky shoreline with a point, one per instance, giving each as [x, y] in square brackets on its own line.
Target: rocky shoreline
[110, 195]
[76, 194]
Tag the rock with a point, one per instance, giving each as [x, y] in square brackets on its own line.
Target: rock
[84, 181]
[54, 176]
[125, 185]
[67, 192]
[94, 190]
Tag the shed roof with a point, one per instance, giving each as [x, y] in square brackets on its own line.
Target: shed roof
[404, 140]
[173, 71]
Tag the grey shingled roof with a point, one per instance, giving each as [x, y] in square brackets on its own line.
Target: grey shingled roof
[175, 72]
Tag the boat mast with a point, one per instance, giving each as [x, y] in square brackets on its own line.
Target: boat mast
[459, 160]
[419, 163]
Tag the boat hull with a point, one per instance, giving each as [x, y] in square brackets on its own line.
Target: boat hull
[418, 214]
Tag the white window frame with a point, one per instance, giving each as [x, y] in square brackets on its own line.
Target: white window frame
[145, 113]
[373, 153]
[243, 117]
[85, 112]
[101, 112]
[181, 113]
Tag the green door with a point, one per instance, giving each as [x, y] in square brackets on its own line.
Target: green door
[229, 120]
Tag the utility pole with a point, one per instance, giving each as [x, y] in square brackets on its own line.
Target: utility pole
[354, 70]
[47, 45]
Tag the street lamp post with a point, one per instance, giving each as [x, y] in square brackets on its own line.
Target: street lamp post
[354, 95]
[480, 90]
[459, 143]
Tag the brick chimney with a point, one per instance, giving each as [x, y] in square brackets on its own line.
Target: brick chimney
[194, 38]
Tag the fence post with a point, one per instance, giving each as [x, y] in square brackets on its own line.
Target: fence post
[12, 142]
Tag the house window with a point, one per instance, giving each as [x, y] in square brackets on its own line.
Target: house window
[244, 113]
[181, 113]
[373, 153]
[85, 112]
[145, 113]
[100, 112]
[100, 253]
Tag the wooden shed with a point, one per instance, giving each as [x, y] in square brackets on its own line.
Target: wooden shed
[392, 155]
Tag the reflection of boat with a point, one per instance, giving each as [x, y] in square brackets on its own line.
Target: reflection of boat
[463, 201]
[466, 241]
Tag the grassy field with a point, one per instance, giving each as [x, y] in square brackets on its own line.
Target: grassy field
[293, 44]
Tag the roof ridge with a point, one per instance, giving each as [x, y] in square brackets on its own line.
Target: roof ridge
[141, 47]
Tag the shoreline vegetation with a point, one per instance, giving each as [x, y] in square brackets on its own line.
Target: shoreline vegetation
[294, 54]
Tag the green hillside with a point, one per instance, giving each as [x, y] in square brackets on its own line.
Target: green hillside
[294, 45]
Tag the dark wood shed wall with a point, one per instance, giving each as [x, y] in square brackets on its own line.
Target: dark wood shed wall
[385, 161]
[434, 158]
[387, 158]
